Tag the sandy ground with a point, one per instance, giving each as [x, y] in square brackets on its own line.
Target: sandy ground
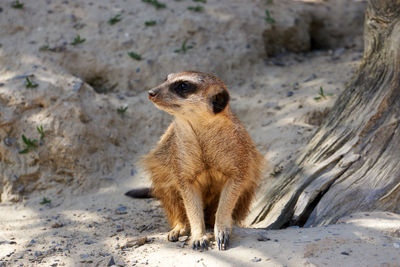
[89, 222]
[105, 226]
[88, 231]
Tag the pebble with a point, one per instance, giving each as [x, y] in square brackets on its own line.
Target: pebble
[111, 261]
[18, 77]
[181, 244]
[256, 259]
[77, 85]
[137, 242]
[31, 243]
[3, 241]
[271, 105]
[38, 253]
[396, 245]
[121, 210]
[278, 62]
[9, 141]
[263, 238]
[290, 93]
[57, 225]
[183, 238]
[345, 253]
[89, 242]
[310, 78]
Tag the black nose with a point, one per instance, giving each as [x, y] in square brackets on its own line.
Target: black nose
[152, 93]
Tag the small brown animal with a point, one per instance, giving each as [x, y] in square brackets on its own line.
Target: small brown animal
[205, 168]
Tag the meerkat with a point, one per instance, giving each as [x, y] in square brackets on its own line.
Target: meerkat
[205, 168]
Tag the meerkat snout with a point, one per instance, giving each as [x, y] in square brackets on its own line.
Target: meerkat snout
[152, 93]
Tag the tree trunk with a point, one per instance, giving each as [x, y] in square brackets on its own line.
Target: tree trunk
[352, 162]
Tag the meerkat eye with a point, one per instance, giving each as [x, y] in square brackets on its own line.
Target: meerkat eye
[183, 88]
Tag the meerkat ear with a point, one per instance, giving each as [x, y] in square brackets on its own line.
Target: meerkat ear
[219, 100]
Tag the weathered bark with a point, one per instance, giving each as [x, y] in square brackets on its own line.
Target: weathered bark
[352, 162]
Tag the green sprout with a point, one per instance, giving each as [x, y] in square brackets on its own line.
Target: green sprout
[17, 4]
[78, 40]
[155, 3]
[115, 19]
[322, 94]
[183, 48]
[196, 8]
[150, 23]
[40, 131]
[200, 1]
[30, 84]
[268, 17]
[122, 110]
[45, 201]
[44, 48]
[29, 144]
[135, 56]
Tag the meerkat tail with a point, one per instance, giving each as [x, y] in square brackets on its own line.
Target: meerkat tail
[142, 192]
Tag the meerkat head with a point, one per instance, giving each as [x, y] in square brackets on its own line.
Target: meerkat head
[191, 94]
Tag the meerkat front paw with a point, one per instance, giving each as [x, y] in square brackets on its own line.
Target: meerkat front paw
[176, 232]
[200, 243]
[222, 236]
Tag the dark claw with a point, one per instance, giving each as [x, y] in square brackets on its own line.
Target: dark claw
[172, 238]
[223, 242]
[204, 245]
[193, 245]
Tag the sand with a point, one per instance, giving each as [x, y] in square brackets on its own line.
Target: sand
[88, 156]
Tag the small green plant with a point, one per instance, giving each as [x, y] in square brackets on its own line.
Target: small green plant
[45, 201]
[17, 4]
[135, 56]
[183, 48]
[78, 40]
[121, 110]
[268, 17]
[30, 84]
[40, 131]
[200, 1]
[150, 23]
[115, 19]
[29, 144]
[44, 48]
[155, 3]
[322, 94]
[270, 2]
[196, 8]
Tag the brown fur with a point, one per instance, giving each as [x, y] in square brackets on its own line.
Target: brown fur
[205, 168]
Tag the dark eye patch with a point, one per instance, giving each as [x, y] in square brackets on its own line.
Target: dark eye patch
[183, 88]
